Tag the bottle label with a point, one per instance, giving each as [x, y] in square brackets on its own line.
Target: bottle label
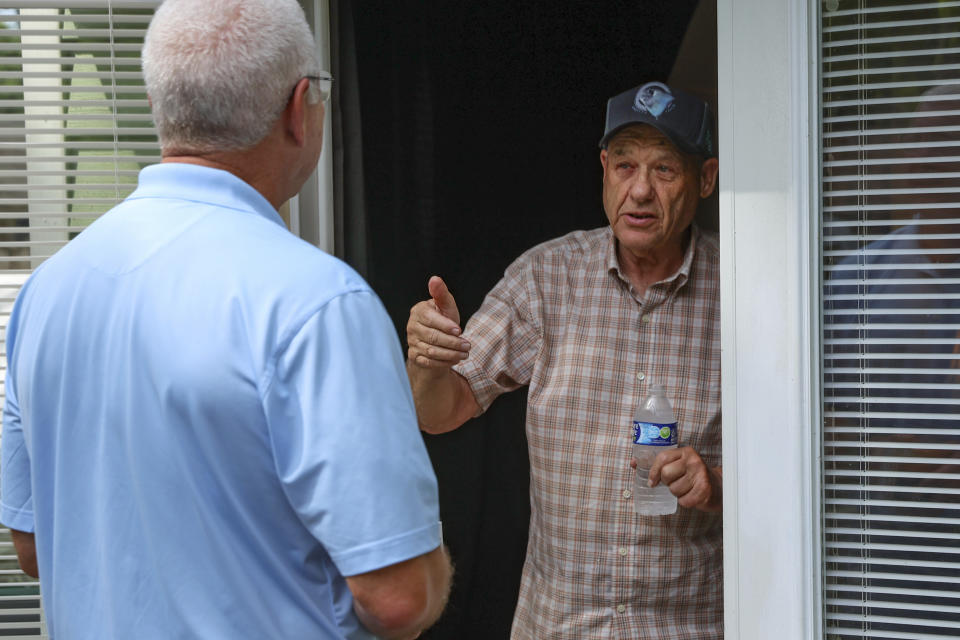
[655, 434]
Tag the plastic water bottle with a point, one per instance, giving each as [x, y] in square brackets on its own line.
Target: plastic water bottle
[654, 430]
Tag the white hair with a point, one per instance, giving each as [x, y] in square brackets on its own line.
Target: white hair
[220, 72]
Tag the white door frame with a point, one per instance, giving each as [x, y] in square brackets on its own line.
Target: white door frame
[769, 239]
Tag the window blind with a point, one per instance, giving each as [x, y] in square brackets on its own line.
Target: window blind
[75, 129]
[890, 313]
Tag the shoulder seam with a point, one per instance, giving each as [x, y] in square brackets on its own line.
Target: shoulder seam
[266, 378]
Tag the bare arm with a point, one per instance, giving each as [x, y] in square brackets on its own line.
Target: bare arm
[26, 548]
[443, 398]
[400, 601]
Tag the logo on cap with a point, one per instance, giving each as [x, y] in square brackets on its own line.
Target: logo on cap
[654, 98]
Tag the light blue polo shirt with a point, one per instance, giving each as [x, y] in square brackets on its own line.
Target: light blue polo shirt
[208, 424]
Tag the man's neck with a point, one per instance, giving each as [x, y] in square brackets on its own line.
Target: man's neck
[645, 270]
[261, 166]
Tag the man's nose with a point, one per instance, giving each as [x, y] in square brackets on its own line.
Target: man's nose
[640, 188]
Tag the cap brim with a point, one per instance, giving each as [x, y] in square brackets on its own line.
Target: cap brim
[605, 140]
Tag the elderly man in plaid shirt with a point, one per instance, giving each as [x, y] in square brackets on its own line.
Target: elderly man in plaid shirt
[588, 321]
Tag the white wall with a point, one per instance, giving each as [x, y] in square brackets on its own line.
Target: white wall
[768, 245]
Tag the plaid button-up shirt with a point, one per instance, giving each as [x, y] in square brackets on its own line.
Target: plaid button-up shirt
[566, 322]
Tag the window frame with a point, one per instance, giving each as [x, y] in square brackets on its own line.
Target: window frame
[769, 237]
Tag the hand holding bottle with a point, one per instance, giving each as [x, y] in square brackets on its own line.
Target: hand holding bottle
[667, 475]
[696, 485]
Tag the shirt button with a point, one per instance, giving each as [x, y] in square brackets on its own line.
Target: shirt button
[641, 376]
[645, 319]
[627, 493]
[621, 608]
[623, 551]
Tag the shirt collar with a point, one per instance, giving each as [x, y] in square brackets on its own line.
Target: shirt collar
[183, 181]
[681, 275]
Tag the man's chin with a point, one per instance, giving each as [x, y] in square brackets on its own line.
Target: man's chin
[636, 240]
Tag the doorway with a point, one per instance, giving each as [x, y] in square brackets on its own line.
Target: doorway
[467, 133]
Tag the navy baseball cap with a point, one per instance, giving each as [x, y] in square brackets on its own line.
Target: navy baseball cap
[680, 116]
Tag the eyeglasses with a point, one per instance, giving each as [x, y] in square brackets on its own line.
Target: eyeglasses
[325, 83]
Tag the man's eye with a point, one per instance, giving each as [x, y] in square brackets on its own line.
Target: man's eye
[624, 165]
[665, 168]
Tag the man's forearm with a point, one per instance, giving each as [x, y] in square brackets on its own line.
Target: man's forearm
[400, 601]
[442, 397]
[26, 548]
[440, 583]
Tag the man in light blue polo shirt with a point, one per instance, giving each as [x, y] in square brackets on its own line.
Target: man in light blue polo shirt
[208, 430]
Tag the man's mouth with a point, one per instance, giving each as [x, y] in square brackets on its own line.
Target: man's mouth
[639, 218]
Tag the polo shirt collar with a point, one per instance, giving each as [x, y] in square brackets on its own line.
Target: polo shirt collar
[195, 183]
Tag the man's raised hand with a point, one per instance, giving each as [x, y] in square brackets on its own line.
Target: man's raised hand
[433, 330]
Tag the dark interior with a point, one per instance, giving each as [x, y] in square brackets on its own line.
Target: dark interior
[475, 126]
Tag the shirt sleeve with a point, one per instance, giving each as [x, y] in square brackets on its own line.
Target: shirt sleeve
[346, 443]
[505, 336]
[16, 495]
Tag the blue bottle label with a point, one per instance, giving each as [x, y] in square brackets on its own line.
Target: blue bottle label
[655, 434]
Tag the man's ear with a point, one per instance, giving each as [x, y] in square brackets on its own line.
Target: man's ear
[603, 159]
[708, 176]
[295, 115]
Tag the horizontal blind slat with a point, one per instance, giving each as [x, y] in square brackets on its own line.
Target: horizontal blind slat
[888, 533]
[873, 618]
[892, 8]
[887, 177]
[876, 546]
[883, 604]
[843, 633]
[909, 341]
[892, 518]
[892, 431]
[891, 415]
[886, 488]
[891, 222]
[914, 564]
[885, 55]
[896, 459]
[874, 473]
[867, 42]
[892, 326]
[885, 575]
[884, 312]
[868, 502]
[893, 24]
[881, 162]
[843, 117]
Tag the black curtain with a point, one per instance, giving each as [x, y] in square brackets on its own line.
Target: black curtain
[466, 133]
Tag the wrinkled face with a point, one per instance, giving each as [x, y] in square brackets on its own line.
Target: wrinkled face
[650, 190]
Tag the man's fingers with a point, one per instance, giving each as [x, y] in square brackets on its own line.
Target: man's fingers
[426, 319]
[444, 299]
[687, 476]
[433, 339]
[427, 363]
[437, 338]
[443, 354]
[656, 469]
[692, 491]
[433, 330]
[673, 469]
